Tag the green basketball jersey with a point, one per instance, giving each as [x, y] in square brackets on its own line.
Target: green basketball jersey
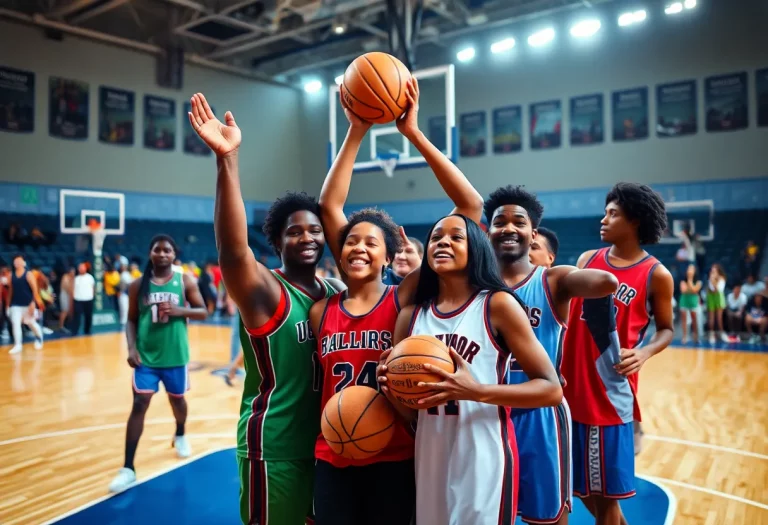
[280, 411]
[162, 341]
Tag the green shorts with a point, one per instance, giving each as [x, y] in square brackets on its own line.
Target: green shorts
[689, 301]
[275, 492]
[715, 301]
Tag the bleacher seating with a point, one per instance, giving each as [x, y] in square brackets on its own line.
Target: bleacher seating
[732, 230]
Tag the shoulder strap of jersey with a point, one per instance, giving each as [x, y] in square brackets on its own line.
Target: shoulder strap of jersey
[598, 253]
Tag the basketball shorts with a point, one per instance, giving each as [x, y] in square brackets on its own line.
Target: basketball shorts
[544, 451]
[604, 460]
[146, 380]
[377, 494]
[275, 492]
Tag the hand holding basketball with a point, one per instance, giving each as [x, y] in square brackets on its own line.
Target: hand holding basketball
[355, 122]
[453, 387]
[381, 371]
[408, 124]
[223, 139]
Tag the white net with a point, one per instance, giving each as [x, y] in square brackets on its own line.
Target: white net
[388, 163]
[98, 235]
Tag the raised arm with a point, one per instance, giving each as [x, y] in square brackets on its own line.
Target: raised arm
[252, 286]
[465, 197]
[336, 186]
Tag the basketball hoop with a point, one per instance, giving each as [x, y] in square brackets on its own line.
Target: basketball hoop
[98, 235]
[388, 162]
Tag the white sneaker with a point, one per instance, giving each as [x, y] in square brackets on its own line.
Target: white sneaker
[181, 444]
[46, 330]
[124, 479]
[38, 344]
[15, 350]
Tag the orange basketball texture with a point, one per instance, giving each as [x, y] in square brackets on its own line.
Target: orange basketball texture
[405, 368]
[358, 422]
[374, 87]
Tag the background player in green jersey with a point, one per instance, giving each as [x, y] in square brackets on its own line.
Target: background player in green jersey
[158, 346]
[280, 411]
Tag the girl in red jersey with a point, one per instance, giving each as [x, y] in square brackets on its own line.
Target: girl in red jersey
[353, 328]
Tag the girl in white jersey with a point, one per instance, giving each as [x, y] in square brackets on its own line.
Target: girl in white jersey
[466, 456]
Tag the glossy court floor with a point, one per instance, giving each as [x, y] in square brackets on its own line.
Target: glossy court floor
[63, 411]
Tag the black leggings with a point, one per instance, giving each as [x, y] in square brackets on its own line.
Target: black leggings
[83, 308]
[378, 494]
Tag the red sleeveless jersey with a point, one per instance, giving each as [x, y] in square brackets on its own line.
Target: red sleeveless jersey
[348, 348]
[597, 331]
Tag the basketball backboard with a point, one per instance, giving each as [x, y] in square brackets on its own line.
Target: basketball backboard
[698, 217]
[437, 119]
[78, 207]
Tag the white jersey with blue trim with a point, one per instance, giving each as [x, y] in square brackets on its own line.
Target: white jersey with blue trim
[549, 330]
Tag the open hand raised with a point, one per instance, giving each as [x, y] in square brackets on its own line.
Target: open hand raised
[221, 138]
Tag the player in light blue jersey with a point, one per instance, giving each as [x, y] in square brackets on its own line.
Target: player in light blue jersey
[543, 434]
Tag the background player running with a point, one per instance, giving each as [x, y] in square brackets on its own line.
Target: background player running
[604, 348]
[280, 411]
[543, 434]
[158, 346]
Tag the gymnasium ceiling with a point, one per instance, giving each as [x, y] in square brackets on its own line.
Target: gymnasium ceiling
[273, 39]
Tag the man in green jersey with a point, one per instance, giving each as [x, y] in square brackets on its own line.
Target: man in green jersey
[158, 346]
[280, 411]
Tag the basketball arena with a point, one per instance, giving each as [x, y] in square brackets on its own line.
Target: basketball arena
[118, 123]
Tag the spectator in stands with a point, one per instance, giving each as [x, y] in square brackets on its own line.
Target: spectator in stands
[135, 272]
[37, 237]
[689, 303]
[84, 292]
[544, 247]
[66, 299]
[126, 278]
[16, 235]
[111, 285]
[757, 318]
[752, 286]
[700, 252]
[207, 288]
[750, 260]
[5, 284]
[45, 290]
[736, 302]
[716, 303]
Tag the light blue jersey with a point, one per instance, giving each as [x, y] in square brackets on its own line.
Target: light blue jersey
[543, 434]
[535, 294]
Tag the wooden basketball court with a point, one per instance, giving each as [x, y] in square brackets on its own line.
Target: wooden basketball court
[64, 410]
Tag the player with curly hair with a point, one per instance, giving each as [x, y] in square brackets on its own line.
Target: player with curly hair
[355, 327]
[280, 410]
[605, 348]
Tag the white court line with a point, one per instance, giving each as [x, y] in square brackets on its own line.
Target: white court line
[143, 480]
[84, 430]
[706, 445]
[711, 492]
[199, 436]
[672, 508]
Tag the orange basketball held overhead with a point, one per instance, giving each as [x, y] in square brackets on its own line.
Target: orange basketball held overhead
[374, 87]
[405, 368]
[358, 422]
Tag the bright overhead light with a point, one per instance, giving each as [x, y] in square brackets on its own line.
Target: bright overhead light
[673, 9]
[585, 28]
[313, 86]
[339, 80]
[502, 45]
[466, 54]
[542, 37]
[339, 29]
[633, 17]
[689, 4]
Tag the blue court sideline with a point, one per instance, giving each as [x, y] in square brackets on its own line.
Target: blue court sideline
[205, 491]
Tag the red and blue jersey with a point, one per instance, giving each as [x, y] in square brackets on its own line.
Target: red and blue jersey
[348, 349]
[597, 331]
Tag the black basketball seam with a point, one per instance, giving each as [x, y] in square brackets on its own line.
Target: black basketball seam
[346, 89]
[415, 393]
[361, 449]
[384, 83]
[433, 341]
[351, 434]
[371, 87]
[418, 355]
[335, 431]
[352, 440]
[338, 409]
[399, 80]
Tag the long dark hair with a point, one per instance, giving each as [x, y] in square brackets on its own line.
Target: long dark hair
[482, 269]
[146, 276]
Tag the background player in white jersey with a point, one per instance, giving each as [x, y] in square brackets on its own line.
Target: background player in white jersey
[466, 456]
[543, 434]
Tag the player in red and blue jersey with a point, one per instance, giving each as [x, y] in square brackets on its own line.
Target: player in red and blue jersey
[604, 348]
